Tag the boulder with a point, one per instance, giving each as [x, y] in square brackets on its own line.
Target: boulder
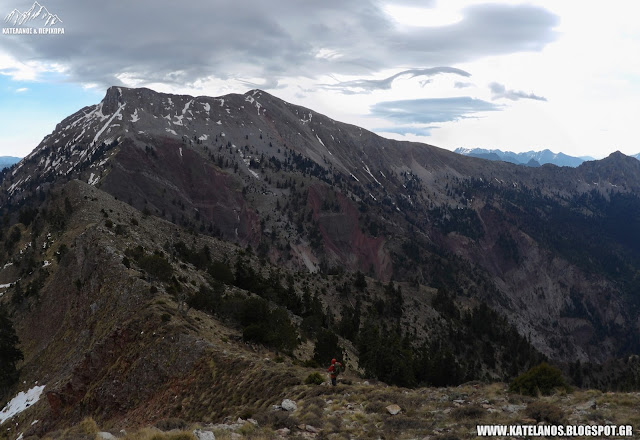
[289, 405]
[394, 409]
[591, 404]
[310, 428]
[204, 435]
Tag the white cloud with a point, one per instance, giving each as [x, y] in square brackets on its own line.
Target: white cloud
[446, 13]
[579, 56]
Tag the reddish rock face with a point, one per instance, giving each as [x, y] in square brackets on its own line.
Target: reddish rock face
[175, 182]
[342, 235]
[55, 402]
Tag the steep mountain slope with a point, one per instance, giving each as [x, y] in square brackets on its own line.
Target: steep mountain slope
[555, 250]
[108, 341]
[131, 320]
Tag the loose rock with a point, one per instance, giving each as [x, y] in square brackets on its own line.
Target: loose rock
[204, 435]
[289, 405]
[394, 409]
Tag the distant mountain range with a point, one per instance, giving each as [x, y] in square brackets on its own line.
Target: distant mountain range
[530, 158]
[7, 161]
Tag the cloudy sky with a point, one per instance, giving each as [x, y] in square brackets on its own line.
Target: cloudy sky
[519, 76]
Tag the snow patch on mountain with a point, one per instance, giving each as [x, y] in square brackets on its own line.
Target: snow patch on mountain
[21, 402]
[116, 114]
[186, 107]
[366, 168]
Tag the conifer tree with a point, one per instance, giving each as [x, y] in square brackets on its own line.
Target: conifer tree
[10, 354]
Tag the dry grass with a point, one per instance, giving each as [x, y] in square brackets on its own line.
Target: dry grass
[545, 411]
[256, 435]
[170, 424]
[155, 434]
[360, 411]
[87, 429]
[468, 412]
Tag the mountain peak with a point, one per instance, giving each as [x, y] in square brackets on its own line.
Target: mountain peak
[112, 100]
[617, 155]
[619, 159]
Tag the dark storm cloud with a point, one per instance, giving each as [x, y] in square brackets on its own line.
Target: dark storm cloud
[368, 85]
[183, 42]
[429, 111]
[500, 91]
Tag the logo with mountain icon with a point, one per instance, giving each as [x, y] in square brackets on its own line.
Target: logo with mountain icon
[37, 12]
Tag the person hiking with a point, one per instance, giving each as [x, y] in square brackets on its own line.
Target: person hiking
[334, 370]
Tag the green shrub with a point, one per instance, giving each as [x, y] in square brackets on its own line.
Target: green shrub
[447, 436]
[156, 266]
[136, 253]
[87, 428]
[468, 412]
[62, 250]
[541, 379]
[401, 422]
[327, 348]
[174, 436]
[310, 363]
[314, 378]
[171, 424]
[9, 352]
[268, 327]
[376, 407]
[205, 299]
[221, 271]
[545, 412]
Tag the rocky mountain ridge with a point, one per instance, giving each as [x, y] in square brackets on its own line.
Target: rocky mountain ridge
[456, 262]
[311, 192]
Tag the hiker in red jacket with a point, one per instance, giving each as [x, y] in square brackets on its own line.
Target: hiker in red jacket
[334, 370]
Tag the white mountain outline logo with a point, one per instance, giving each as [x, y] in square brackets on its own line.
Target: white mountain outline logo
[37, 11]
